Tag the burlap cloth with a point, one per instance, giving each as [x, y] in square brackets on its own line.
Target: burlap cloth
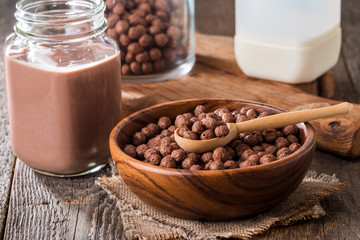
[142, 222]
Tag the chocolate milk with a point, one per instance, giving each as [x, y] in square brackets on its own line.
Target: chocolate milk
[62, 112]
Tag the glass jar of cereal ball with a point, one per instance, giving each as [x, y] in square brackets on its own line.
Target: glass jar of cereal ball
[156, 37]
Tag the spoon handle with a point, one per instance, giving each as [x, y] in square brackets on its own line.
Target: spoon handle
[288, 118]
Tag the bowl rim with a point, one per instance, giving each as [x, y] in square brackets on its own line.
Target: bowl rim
[308, 145]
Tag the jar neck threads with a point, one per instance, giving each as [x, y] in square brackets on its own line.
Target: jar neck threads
[60, 20]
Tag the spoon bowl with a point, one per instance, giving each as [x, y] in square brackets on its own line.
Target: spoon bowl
[200, 146]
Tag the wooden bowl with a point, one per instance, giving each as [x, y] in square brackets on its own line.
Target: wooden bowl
[205, 194]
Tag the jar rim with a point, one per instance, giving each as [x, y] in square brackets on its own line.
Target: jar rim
[35, 18]
[23, 10]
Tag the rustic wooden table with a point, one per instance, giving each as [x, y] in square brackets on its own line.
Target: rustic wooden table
[33, 206]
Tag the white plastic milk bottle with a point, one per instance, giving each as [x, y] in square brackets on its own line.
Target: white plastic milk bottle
[292, 41]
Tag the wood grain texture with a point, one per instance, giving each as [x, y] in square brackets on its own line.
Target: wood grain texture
[228, 193]
[44, 207]
[215, 17]
[342, 220]
[343, 209]
[351, 43]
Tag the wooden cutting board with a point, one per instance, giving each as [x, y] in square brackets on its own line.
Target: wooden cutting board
[217, 75]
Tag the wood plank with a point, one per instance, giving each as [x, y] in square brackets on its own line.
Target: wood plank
[351, 42]
[343, 87]
[6, 159]
[342, 220]
[215, 17]
[326, 85]
[44, 207]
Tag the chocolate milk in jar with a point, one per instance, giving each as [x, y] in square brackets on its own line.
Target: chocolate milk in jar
[62, 77]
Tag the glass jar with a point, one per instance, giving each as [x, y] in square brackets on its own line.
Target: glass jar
[62, 81]
[287, 41]
[156, 37]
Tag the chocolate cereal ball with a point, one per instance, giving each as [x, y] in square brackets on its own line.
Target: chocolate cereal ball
[283, 151]
[260, 154]
[149, 152]
[213, 115]
[241, 118]
[281, 142]
[231, 153]
[193, 120]
[253, 158]
[270, 135]
[138, 138]
[292, 139]
[206, 157]
[188, 115]
[130, 150]
[182, 130]
[178, 155]
[164, 122]
[294, 147]
[263, 114]
[247, 164]
[193, 156]
[166, 133]
[244, 110]
[220, 154]
[251, 114]
[187, 163]
[221, 131]
[154, 159]
[172, 128]
[227, 118]
[200, 109]
[291, 129]
[267, 158]
[168, 162]
[265, 145]
[209, 122]
[196, 167]
[190, 135]
[250, 140]
[182, 121]
[201, 116]
[216, 165]
[150, 130]
[235, 143]
[198, 127]
[206, 167]
[230, 164]
[241, 148]
[271, 150]
[155, 54]
[140, 150]
[257, 148]
[207, 134]
[165, 149]
[166, 140]
[246, 154]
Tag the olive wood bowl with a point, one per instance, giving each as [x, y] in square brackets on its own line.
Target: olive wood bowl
[209, 194]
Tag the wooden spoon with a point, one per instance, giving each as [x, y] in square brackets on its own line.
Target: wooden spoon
[272, 121]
